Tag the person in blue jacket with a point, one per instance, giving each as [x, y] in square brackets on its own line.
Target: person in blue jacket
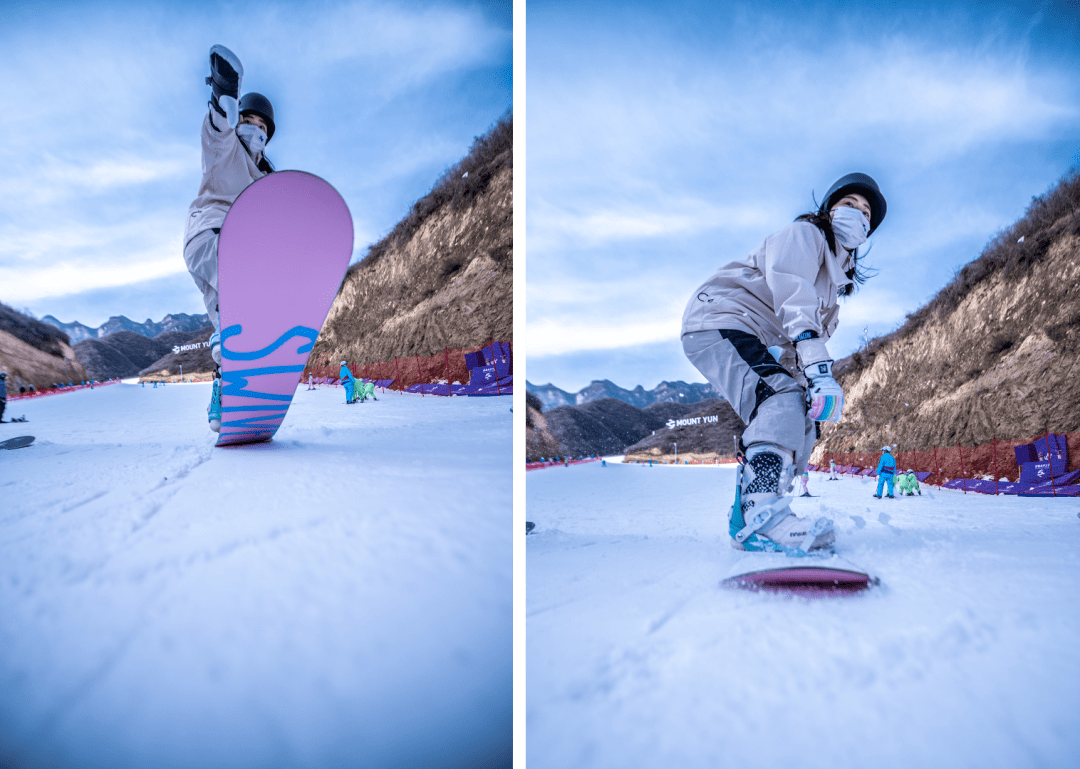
[886, 469]
[348, 381]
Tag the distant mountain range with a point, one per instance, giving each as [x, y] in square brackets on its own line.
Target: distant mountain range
[666, 392]
[128, 353]
[181, 322]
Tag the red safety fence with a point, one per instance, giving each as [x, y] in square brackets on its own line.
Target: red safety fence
[58, 390]
[447, 366]
[560, 463]
[995, 460]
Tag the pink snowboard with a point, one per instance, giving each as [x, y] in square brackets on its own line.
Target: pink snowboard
[810, 575]
[284, 249]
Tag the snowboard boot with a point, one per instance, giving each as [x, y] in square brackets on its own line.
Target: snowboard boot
[877, 496]
[226, 72]
[761, 520]
[215, 348]
[213, 411]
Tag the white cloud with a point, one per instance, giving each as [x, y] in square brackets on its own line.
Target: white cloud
[597, 223]
[564, 335]
[76, 276]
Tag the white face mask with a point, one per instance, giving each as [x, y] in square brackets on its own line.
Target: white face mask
[851, 227]
[253, 138]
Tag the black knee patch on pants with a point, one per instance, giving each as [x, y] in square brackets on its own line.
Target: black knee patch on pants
[761, 362]
[761, 394]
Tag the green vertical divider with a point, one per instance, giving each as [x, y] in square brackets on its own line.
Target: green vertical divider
[518, 362]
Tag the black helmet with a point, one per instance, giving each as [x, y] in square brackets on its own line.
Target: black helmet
[261, 106]
[861, 183]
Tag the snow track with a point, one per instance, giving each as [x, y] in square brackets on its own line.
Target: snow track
[338, 597]
[965, 656]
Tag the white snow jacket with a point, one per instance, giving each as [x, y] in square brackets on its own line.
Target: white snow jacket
[227, 170]
[788, 285]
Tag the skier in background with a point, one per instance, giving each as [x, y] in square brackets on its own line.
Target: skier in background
[886, 468]
[784, 293]
[3, 394]
[806, 480]
[366, 390]
[235, 133]
[311, 381]
[832, 471]
[348, 381]
[907, 484]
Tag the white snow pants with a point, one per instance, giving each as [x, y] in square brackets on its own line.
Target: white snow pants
[763, 393]
[201, 254]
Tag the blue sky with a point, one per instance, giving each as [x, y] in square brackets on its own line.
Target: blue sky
[666, 139]
[99, 137]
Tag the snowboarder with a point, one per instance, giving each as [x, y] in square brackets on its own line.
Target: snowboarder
[784, 293]
[311, 381]
[886, 469]
[832, 471]
[348, 381]
[3, 394]
[235, 133]
[366, 390]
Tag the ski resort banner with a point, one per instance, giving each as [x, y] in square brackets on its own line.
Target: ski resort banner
[692, 421]
[483, 370]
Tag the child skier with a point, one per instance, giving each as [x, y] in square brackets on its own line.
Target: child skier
[886, 468]
[366, 390]
[806, 480]
[908, 483]
[783, 294]
[348, 381]
[235, 132]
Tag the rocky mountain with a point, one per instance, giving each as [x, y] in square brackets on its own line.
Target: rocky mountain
[705, 433]
[605, 426]
[35, 354]
[666, 392]
[127, 353]
[180, 321]
[994, 355]
[443, 277]
[539, 442]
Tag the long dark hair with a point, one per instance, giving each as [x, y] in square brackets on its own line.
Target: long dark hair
[860, 272]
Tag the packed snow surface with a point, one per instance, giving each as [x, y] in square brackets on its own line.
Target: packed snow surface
[338, 597]
[966, 655]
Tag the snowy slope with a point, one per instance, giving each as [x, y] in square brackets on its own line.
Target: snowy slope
[966, 656]
[338, 597]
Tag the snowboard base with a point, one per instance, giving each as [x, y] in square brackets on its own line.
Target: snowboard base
[17, 443]
[810, 575]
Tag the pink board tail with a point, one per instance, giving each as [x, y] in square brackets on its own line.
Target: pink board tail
[283, 252]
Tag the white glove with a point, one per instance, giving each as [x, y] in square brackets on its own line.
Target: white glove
[232, 109]
[824, 396]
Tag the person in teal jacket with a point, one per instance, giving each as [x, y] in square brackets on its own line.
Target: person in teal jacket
[886, 469]
[348, 381]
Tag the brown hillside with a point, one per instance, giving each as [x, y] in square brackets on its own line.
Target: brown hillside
[35, 354]
[995, 355]
[443, 277]
[539, 442]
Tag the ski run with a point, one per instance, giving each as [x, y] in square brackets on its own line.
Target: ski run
[338, 597]
[964, 656]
